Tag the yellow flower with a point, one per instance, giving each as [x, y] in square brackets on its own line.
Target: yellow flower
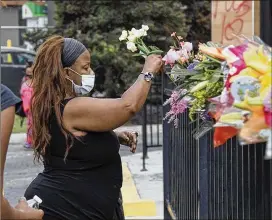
[247, 72]
[266, 81]
[256, 59]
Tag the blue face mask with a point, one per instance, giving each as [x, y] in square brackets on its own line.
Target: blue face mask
[87, 83]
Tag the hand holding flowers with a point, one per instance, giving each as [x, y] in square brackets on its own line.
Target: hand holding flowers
[134, 42]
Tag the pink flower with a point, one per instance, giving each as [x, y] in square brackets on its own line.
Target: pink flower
[268, 118]
[171, 57]
[183, 60]
[173, 34]
[184, 53]
[181, 106]
[239, 50]
[187, 46]
[177, 107]
[238, 66]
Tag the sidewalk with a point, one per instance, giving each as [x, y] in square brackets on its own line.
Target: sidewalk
[149, 186]
[142, 191]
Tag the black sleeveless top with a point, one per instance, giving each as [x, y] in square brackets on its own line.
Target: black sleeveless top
[84, 186]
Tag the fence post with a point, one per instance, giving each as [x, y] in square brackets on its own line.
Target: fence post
[144, 138]
[203, 150]
[165, 145]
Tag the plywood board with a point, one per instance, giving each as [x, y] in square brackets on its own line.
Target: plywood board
[231, 18]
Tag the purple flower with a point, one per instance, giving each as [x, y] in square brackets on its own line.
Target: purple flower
[192, 66]
[177, 107]
[205, 116]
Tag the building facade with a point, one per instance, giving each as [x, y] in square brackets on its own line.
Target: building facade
[18, 16]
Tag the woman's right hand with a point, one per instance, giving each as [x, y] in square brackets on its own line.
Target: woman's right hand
[23, 211]
[153, 64]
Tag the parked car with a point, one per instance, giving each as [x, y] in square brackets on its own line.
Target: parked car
[13, 63]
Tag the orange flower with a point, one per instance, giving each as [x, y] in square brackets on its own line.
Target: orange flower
[211, 51]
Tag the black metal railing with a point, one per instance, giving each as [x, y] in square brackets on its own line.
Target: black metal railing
[203, 182]
[152, 119]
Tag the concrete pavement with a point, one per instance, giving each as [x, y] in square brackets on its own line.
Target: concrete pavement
[149, 184]
[142, 191]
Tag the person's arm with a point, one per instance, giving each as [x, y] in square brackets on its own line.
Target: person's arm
[21, 211]
[92, 114]
[7, 120]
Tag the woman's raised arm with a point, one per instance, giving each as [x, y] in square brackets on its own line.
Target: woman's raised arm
[91, 114]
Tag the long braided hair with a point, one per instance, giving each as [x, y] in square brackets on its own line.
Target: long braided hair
[49, 90]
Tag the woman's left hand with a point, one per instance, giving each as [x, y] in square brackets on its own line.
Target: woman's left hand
[129, 139]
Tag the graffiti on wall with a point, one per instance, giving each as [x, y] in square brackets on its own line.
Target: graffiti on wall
[230, 18]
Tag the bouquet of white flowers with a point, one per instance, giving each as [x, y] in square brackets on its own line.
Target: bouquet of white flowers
[134, 41]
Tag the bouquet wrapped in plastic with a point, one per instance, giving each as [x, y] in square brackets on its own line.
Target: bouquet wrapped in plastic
[247, 89]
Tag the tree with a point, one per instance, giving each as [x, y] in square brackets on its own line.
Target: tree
[199, 20]
[98, 24]
[37, 36]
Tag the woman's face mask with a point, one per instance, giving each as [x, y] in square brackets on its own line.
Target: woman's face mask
[87, 83]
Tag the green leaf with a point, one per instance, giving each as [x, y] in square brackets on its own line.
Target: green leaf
[198, 77]
[141, 48]
[214, 59]
[153, 48]
[199, 86]
[159, 52]
[183, 72]
[215, 78]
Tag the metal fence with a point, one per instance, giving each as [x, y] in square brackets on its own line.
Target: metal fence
[202, 182]
[152, 119]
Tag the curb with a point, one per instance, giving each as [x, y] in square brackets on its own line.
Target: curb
[146, 217]
[133, 205]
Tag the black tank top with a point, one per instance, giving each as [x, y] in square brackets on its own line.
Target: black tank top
[87, 184]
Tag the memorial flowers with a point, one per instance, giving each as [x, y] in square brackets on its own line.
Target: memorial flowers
[134, 42]
[229, 87]
[199, 76]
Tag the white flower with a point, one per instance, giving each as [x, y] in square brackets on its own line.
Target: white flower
[143, 32]
[232, 70]
[131, 37]
[145, 27]
[131, 46]
[138, 33]
[188, 46]
[123, 35]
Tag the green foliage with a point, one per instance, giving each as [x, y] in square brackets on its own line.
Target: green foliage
[198, 20]
[37, 36]
[98, 24]
[101, 26]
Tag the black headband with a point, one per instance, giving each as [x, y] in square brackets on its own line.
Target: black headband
[72, 49]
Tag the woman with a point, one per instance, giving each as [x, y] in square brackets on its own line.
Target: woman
[8, 104]
[82, 177]
[26, 94]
